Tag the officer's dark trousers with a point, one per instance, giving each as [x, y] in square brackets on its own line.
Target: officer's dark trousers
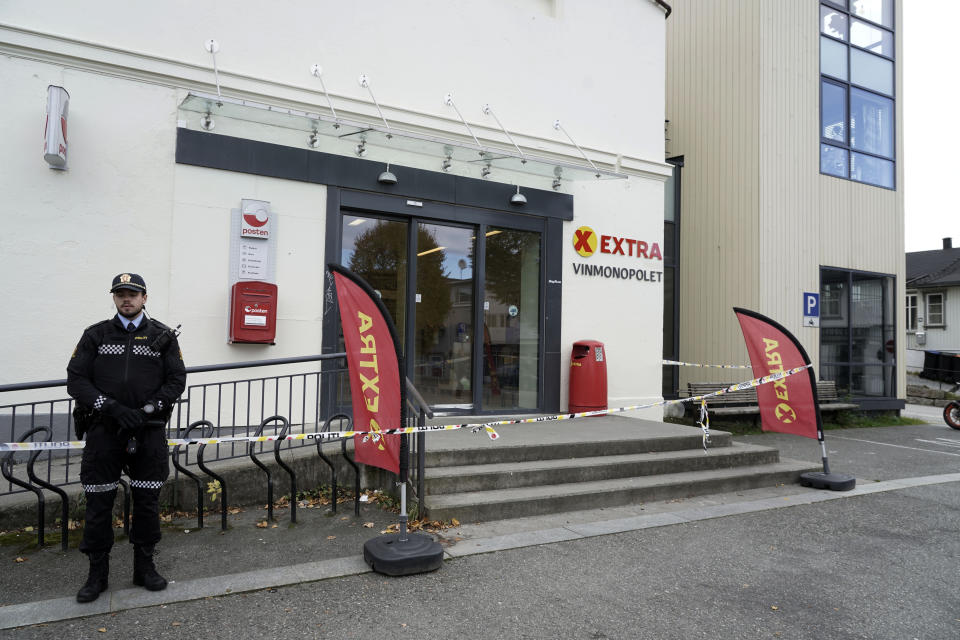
[104, 457]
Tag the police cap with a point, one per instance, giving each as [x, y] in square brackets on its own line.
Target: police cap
[129, 281]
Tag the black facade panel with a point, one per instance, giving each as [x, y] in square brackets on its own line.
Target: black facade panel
[472, 192]
[553, 305]
[216, 151]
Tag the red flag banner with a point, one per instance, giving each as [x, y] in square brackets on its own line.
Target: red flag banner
[373, 364]
[788, 405]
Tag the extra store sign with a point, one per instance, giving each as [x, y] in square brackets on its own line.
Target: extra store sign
[587, 242]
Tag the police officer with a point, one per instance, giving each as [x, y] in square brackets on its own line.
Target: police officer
[125, 369]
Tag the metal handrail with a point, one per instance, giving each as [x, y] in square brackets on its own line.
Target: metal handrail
[205, 368]
[421, 404]
[420, 411]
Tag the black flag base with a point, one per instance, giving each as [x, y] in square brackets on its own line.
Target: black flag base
[393, 556]
[832, 481]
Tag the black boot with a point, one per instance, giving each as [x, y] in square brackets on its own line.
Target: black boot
[97, 578]
[144, 572]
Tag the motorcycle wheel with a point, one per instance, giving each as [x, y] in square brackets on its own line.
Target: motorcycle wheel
[951, 415]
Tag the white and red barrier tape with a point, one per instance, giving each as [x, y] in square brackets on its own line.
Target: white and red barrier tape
[488, 427]
[707, 366]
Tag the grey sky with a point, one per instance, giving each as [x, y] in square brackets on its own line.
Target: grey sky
[931, 130]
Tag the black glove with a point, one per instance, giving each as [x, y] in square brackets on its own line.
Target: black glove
[125, 417]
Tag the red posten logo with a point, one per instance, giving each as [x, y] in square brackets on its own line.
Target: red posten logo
[253, 219]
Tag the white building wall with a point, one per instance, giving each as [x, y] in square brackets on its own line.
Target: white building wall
[626, 315]
[123, 203]
[939, 338]
[69, 232]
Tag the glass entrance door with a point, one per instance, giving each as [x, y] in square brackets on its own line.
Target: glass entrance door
[443, 315]
[511, 320]
[466, 300]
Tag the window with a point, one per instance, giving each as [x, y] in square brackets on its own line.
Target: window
[858, 332]
[831, 298]
[857, 77]
[911, 312]
[935, 310]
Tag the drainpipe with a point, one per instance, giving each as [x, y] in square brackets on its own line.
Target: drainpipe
[668, 8]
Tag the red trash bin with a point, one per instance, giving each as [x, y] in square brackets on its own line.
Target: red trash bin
[588, 376]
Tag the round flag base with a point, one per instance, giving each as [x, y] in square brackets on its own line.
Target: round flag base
[388, 555]
[832, 481]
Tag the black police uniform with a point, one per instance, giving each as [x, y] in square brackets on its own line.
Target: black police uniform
[113, 366]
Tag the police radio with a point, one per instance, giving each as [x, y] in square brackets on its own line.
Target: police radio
[162, 341]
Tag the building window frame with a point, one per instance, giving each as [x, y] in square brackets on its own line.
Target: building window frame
[878, 169]
[847, 359]
[938, 318]
[912, 311]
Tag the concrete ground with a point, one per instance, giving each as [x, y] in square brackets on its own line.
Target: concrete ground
[786, 561]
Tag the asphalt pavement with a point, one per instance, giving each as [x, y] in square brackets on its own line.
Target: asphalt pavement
[782, 562]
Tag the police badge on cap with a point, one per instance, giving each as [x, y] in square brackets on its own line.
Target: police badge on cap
[129, 281]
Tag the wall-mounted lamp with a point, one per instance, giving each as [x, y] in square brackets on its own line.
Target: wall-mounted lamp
[518, 199]
[314, 139]
[206, 121]
[387, 177]
[362, 147]
[486, 171]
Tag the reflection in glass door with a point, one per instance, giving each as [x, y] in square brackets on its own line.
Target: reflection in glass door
[511, 320]
[376, 250]
[443, 370]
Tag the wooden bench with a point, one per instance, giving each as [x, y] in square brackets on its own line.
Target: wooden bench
[744, 402]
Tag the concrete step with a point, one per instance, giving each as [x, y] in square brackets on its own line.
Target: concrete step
[478, 506]
[628, 443]
[510, 475]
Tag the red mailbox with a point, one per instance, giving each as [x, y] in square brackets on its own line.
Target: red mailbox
[253, 312]
[588, 377]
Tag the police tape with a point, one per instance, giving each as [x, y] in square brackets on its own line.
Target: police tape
[707, 366]
[375, 435]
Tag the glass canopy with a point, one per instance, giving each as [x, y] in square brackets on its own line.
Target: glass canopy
[392, 138]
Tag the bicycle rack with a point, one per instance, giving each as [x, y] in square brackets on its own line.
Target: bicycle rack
[333, 470]
[6, 467]
[223, 483]
[190, 474]
[356, 476]
[251, 450]
[283, 465]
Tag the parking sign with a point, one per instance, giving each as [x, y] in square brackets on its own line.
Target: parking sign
[811, 309]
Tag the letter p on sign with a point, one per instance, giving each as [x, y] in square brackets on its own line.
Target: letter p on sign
[811, 309]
